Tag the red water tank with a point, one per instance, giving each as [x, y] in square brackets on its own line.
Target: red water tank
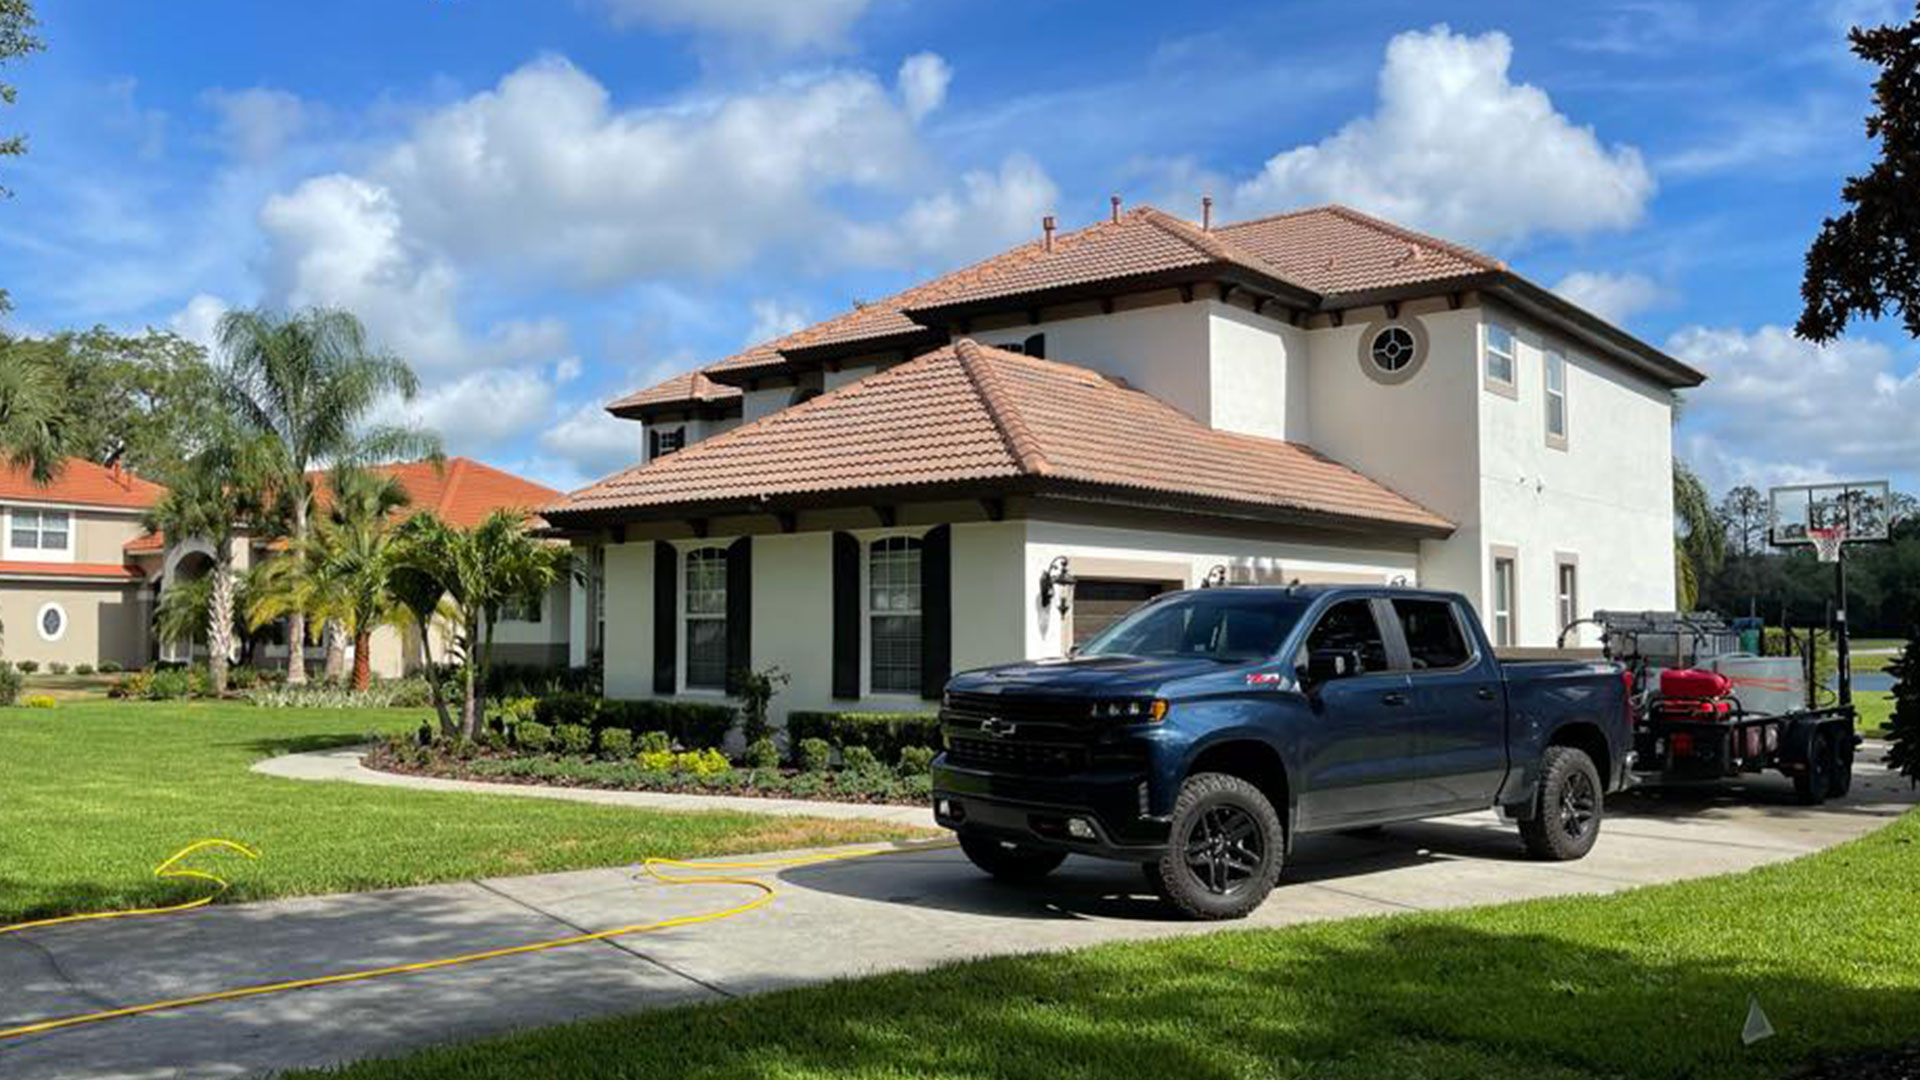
[1694, 684]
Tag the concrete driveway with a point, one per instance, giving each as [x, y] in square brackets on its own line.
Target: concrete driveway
[839, 919]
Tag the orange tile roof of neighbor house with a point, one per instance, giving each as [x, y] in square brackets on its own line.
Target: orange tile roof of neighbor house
[81, 483]
[968, 414]
[460, 490]
[107, 571]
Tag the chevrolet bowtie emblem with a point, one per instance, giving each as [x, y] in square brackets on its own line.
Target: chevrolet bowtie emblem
[997, 727]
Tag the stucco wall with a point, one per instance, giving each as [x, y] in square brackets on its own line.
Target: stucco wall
[1161, 349]
[1258, 371]
[103, 622]
[629, 650]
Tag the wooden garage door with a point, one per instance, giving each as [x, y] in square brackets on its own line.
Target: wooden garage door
[1099, 602]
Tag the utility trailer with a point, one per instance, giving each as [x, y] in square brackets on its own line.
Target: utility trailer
[1706, 708]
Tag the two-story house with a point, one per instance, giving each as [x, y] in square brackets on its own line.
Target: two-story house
[996, 463]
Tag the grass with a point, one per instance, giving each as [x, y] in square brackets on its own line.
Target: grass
[97, 793]
[1876, 712]
[68, 687]
[1652, 983]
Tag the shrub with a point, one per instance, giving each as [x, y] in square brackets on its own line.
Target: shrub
[169, 685]
[511, 712]
[814, 755]
[134, 685]
[761, 754]
[58, 667]
[886, 734]
[9, 683]
[533, 736]
[756, 690]
[1903, 728]
[242, 678]
[29, 666]
[654, 742]
[83, 669]
[39, 701]
[915, 761]
[110, 667]
[616, 743]
[859, 759]
[701, 763]
[574, 739]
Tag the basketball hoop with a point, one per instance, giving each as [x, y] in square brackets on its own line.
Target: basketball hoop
[1826, 541]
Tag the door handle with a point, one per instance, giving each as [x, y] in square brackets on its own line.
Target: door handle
[1485, 693]
[1393, 698]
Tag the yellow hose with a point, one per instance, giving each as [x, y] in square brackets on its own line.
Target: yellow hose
[169, 869]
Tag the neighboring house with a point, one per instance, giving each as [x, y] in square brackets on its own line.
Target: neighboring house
[75, 586]
[997, 463]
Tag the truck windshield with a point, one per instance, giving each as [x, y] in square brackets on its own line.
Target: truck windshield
[1218, 624]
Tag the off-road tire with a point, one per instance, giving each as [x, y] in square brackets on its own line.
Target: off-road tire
[1840, 779]
[1812, 783]
[1009, 861]
[1224, 828]
[1568, 807]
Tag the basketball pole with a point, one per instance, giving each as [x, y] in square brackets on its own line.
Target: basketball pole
[1842, 653]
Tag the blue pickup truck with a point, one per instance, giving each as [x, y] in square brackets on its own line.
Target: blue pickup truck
[1203, 732]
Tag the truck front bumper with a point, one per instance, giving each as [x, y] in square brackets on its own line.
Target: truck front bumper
[1100, 814]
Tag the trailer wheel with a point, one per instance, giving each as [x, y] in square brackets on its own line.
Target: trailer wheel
[1814, 780]
[1840, 780]
[1568, 807]
[1009, 861]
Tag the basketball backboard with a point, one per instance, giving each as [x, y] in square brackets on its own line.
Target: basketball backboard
[1862, 507]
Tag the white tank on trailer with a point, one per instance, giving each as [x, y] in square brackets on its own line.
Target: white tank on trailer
[1769, 685]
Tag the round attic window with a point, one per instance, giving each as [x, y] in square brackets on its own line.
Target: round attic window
[1392, 350]
[52, 622]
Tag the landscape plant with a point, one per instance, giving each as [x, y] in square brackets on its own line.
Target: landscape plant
[10, 683]
[1903, 728]
[755, 691]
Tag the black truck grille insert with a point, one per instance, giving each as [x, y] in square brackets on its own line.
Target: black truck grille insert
[1011, 756]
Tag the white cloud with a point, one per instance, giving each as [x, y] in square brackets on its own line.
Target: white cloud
[1614, 297]
[257, 123]
[783, 25]
[772, 319]
[992, 210]
[566, 369]
[1778, 409]
[593, 442]
[477, 413]
[1457, 147]
[199, 320]
[923, 83]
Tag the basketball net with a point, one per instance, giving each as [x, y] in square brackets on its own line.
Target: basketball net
[1827, 541]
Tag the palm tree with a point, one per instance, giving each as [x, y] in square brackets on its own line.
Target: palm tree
[309, 381]
[478, 572]
[1700, 540]
[356, 557]
[31, 414]
[210, 501]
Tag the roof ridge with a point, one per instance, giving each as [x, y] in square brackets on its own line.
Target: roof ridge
[1021, 443]
[455, 472]
[1361, 217]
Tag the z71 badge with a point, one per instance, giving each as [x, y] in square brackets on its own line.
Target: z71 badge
[1265, 678]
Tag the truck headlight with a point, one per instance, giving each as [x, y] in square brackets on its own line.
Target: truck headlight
[1129, 710]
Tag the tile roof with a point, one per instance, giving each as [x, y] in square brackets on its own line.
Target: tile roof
[687, 388]
[81, 483]
[111, 571]
[968, 413]
[146, 544]
[1333, 250]
[461, 490]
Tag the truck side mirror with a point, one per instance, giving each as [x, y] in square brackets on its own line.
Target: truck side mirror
[1326, 665]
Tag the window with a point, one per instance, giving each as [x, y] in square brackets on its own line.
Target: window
[1392, 349]
[1556, 400]
[1500, 364]
[661, 443]
[1220, 624]
[52, 622]
[706, 618]
[525, 609]
[1503, 582]
[1567, 591]
[40, 530]
[1034, 345]
[1434, 638]
[1350, 625]
[893, 614]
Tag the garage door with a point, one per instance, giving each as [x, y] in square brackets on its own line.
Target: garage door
[1099, 602]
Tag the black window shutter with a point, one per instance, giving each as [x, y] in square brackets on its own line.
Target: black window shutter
[739, 611]
[666, 616]
[846, 616]
[653, 442]
[936, 611]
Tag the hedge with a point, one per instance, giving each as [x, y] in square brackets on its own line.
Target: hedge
[694, 724]
[886, 734]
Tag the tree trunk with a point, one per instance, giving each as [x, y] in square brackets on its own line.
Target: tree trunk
[220, 620]
[335, 636]
[362, 660]
[297, 619]
[470, 705]
[434, 691]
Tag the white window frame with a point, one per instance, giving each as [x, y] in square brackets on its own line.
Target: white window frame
[1503, 620]
[684, 616]
[40, 621]
[1566, 601]
[1509, 386]
[37, 553]
[867, 612]
[1556, 361]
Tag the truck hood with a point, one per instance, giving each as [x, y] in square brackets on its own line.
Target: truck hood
[1092, 676]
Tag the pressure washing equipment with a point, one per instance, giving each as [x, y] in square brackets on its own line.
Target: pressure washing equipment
[172, 868]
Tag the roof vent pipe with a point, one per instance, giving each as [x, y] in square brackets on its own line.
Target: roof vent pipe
[1113, 203]
[1046, 227]
[1206, 212]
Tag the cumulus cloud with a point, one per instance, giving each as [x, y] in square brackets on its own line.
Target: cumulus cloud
[772, 319]
[199, 320]
[257, 123]
[1778, 409]
[1456, 146]
[991, 210]
[593, 442]
[923, 83]
[478, 413]
[1614, 297]
[784, 25]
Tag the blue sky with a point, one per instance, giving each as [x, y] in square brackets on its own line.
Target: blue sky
[544, 205]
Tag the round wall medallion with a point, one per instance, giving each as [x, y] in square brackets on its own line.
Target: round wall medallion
[52, 622]
[1393, 350]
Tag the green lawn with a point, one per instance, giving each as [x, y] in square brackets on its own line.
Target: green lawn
[97, 793]
[1875, 710]
[1650, 983]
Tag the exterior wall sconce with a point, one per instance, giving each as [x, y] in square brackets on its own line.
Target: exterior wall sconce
[1215, 578]
[1057, 581]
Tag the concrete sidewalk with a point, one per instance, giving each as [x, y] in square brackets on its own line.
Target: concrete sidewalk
[840, 919]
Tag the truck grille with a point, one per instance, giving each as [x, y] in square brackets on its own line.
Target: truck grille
[1020, 710]
[1022, 757]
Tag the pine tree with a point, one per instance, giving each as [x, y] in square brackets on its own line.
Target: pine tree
[1904, 729]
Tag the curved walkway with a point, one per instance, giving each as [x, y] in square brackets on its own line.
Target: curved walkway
[344, 764]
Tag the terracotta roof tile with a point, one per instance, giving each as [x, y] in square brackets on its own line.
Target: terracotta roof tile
[687, 388]
[81, 483]
[113, 571]
[1334, 249]
[972, 413]
[146, 544]
[461, 490]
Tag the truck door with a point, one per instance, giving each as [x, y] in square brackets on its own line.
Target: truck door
[1458, 702]
[1359, 750]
